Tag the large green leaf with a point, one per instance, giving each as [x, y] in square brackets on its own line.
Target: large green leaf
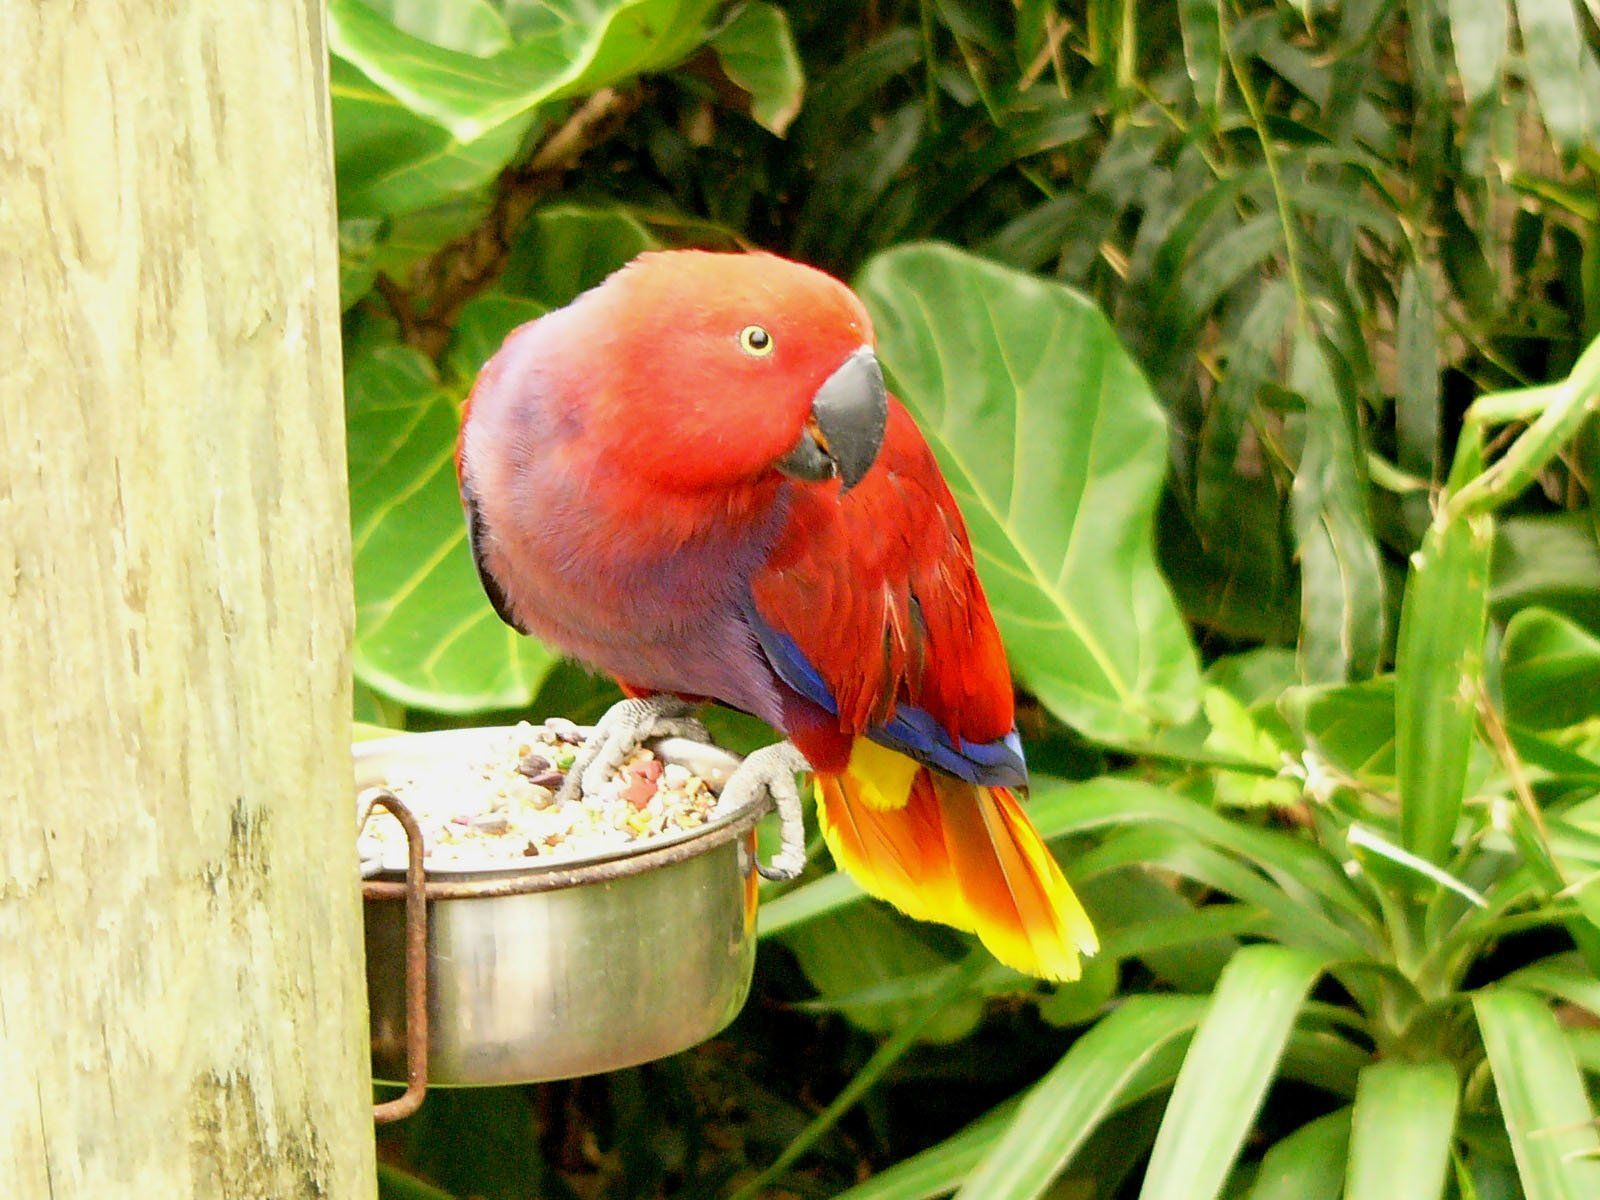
[390, 160]
[1052, 443]
[1542, 1096]
[474, 27]
[425, 633]
[1227, 1071]
[569, 48]
[1405, 1117]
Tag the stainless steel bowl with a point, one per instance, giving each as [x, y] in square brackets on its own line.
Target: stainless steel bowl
[620, 960]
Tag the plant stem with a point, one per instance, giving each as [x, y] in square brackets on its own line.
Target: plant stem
[1269, 154]
[1569, 404]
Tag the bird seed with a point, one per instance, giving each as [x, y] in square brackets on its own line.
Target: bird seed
[498, 808]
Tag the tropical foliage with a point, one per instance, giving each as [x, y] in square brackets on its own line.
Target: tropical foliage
[1252, 339]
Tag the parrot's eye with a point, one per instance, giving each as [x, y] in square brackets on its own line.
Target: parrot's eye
[755, 341]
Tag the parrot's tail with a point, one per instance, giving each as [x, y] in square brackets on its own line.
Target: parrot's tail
[961, 855]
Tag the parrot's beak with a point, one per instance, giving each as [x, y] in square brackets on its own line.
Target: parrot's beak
[848, 416]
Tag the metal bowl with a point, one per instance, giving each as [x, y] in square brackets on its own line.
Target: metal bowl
[559, 970]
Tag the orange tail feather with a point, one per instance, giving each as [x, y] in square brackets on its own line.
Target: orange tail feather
[964, 856]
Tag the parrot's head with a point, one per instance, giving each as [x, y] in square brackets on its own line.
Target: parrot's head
[720, 370]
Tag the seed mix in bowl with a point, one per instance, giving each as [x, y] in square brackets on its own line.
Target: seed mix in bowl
[497, 808]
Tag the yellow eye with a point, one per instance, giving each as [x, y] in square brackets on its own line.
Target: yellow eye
[756, 341]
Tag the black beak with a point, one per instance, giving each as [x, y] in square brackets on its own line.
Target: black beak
[848, 415]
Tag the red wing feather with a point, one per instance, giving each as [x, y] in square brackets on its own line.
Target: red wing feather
[879, 594]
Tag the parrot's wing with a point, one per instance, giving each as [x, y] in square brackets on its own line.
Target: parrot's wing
[476, 535]
[870, 608]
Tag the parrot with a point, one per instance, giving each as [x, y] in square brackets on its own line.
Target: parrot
[693, 478]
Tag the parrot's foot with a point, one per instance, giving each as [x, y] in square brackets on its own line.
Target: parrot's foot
[772, 769]
[626, 726]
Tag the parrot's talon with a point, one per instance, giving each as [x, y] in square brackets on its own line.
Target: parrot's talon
[626, 726]
[772, 769]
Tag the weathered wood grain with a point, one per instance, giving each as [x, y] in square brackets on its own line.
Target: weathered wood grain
[181, 1006]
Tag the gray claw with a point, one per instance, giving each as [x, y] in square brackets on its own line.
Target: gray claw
[626, 726]
[772, 769]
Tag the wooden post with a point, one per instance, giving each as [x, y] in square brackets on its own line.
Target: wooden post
[181, 1005]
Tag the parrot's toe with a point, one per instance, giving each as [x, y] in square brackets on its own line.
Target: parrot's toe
[771, 770]
[626, 726]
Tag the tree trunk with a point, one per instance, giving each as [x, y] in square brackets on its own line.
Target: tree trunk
[181, 1003]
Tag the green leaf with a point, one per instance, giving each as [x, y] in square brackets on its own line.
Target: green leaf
[370, 246]
[1308, 1164]
[1085, 998]
[390, 160]
[1589, 274]
[1417, 352]
[1236, 734]
[1404, 1120]
[1302, 871]
[1563, 977]
[938, 1170]
[1202, 48]
[1361, 839]
[860, 950]
[1250, 365]
[1542, 1096]
[564, 249]
[559, 251]
[1351, 727]
[425, 633]
[1227, 1071]
[1324, 1059]
[1438, 676]
[1171, 851]
[758, 53]
[471, 26]
[374, 712]
[574, 48]
[1341, 589]
[1550, 671]
[1055, 448]
[811, 900]
[1478, 33]
[1553, 43]
[1551, 561]
[481, 327]
[1140, 916]
[1066, 1106]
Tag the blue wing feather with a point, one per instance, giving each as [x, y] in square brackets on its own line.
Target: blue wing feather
[912, 730]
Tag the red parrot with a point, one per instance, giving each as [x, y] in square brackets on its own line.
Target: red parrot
[692, 478]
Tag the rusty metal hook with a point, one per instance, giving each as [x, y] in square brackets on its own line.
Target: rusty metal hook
[416, 897]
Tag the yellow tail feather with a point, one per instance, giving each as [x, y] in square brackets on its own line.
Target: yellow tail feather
[955, 853]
